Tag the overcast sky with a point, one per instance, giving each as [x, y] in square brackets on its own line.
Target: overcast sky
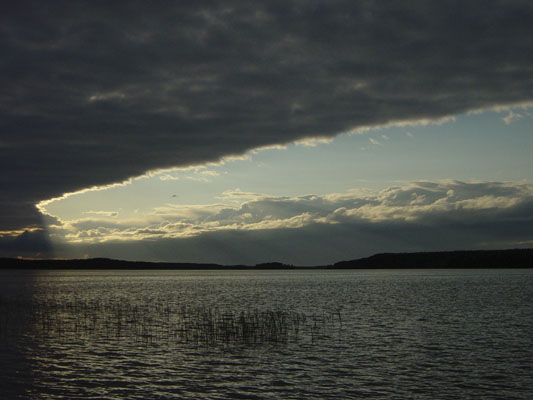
[236, 132]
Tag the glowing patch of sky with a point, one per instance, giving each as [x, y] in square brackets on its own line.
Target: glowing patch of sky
[488, 146]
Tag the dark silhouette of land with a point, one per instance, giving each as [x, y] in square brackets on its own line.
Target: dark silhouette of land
[108, 263]
[514, 258]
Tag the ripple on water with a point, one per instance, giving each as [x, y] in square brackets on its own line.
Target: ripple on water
[404, 334]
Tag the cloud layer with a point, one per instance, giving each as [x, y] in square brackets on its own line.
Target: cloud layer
[418, 216]
[93, 94]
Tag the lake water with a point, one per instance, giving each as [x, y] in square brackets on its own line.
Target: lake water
[435, 334]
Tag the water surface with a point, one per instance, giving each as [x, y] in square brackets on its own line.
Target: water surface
[443, 334]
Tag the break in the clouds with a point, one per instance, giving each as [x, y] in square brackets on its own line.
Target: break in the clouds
[420, 215]
[94, 93]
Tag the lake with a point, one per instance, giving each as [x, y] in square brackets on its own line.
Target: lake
[284, 334]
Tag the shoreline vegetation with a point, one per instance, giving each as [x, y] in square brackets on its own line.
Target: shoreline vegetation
[467, 259]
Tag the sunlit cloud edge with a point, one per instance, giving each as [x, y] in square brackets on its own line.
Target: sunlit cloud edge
[306, 142]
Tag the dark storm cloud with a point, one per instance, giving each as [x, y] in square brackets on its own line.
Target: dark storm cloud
[93, 93]
[27, 244]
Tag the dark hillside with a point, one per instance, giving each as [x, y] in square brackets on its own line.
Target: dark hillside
[515, 258]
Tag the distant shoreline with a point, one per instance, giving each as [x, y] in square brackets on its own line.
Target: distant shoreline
[464, 259]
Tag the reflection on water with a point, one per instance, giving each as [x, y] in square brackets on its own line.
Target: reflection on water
[266, 334]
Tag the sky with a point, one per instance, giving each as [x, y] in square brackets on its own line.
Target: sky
[305, 132]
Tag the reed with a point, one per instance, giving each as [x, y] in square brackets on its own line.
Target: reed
[159, 322]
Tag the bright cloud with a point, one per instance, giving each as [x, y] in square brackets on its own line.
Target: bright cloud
[313, 142]
[512, 117]
[419, 203]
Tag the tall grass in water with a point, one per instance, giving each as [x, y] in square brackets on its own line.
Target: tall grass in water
[160, 322]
